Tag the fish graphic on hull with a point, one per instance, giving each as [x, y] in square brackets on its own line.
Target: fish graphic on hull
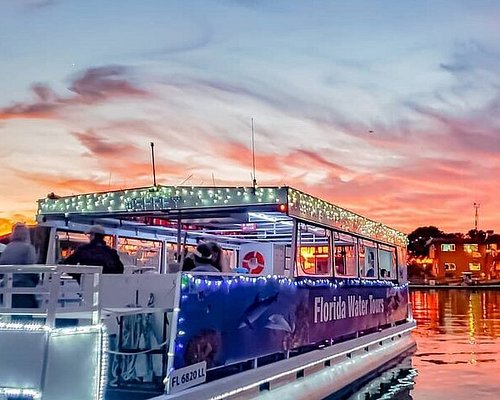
[279, 323]
[255, 310]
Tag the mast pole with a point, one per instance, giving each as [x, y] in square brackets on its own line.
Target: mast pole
[254, 180]
[153, 162]
[476, 215]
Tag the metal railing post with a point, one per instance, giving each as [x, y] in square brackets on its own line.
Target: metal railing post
[54, 284]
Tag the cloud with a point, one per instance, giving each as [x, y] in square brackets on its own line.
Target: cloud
[44, 105]
[424, 160]
[103, 147]
[64, 183]
[313, 159]
[460, 134]
[470, 57]
[268, 94]
[125, 160]
[91, 87]
[197, 40]
[297, 164]
[103, 83]
[37, 4]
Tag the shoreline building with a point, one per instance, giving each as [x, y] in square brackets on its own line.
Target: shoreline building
[453, 257]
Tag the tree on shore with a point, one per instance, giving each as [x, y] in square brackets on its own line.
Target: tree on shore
[418, 239]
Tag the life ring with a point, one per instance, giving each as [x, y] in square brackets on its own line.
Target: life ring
[254, 262]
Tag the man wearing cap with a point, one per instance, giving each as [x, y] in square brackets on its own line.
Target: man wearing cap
[97, 252]
[203, 258]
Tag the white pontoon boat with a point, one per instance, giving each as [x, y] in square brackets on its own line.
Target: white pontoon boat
[311, 298]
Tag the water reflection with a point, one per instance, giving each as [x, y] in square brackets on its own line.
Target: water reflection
[393, 384]
[458, 346]
[456, 312]
[458, 343]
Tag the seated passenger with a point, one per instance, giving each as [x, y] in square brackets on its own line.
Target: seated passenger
[384, 273]
[203, 259]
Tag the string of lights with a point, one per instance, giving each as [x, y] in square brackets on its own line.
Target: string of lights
[156, 198]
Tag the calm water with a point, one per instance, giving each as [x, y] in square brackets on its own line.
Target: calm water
[458, 347]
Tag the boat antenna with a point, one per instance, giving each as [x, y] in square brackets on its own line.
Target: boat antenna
[185, 180]
[153, 162]
[213, 179]
[254, 179]
[476, 215]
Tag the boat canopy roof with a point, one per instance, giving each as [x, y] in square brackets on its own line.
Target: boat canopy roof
[193, 203]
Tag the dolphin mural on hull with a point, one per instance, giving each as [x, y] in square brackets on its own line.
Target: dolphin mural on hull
[255, 310]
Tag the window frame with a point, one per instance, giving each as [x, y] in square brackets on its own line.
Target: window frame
[374, 245]
[392, 250]
[356, 258]
[300, 271]
[446, 266]
[452, 247]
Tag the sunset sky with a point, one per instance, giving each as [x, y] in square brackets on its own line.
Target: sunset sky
[388, 108]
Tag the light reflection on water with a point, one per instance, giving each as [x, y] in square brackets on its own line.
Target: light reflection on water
[457, 350]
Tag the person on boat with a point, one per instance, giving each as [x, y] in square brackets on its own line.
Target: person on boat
[370, 273]
[188, 263]
[216, 254]
[20, 251]
[203, 259]
[97, 252]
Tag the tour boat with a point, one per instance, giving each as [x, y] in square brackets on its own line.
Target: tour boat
[311, 298]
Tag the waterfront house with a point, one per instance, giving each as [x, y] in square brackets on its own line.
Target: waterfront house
[452, 257]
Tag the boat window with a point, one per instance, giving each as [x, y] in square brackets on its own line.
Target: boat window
[345, 258]
[173, 257]
[314, 250]
[387, 262]
[229, 259]
[137, 253]
[368, 260]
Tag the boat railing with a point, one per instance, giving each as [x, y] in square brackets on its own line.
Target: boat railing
[49, 292]
[46, 340]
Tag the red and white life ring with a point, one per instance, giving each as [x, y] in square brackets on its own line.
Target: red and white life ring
[254, 262]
